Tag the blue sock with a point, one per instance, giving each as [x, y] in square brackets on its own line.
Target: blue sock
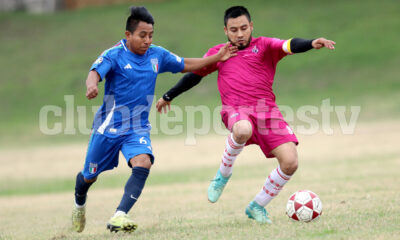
[81, 189]
[133, 188]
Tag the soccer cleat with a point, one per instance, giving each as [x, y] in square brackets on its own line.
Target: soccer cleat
[216, 187]
[121, 223]
[78, 219]
[257, 212]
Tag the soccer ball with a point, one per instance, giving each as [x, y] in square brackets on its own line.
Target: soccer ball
[304, 206]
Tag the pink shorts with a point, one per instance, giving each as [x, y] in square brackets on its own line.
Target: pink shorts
[268, 133]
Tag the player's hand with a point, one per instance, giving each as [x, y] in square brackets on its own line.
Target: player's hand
[162, 105]
[322, 42]
[227, 51]
[92, 91]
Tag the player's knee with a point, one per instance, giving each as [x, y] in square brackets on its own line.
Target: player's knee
[142, 160]
[290, 165]
[90, 180]
[242, 131]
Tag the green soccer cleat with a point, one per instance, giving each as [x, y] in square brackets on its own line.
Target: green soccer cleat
[216, 187]
[121, 223]
[257, 212]
[78, 219]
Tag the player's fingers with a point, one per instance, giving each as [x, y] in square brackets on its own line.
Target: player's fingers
[329, 45]
[232, 49]
[159, 106]
[165, 109]
[227, 45]
[169, 106]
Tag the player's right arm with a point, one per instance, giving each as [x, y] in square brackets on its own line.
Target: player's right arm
[98, 71]
[92, 81]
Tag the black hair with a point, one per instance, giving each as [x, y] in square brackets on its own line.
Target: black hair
[236, 11]
[138, 14]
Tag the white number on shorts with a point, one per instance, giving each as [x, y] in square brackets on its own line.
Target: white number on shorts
[142, 141]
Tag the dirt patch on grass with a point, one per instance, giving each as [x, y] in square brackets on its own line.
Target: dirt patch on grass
[63, 161]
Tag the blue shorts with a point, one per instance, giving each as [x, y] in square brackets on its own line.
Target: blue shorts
[103, 152]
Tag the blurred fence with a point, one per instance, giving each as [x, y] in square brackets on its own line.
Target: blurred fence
[49, 6]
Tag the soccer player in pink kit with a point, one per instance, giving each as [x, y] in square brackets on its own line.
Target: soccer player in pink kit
[249, 110]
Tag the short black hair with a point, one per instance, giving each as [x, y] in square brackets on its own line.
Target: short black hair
[236, 11]
[138, 14]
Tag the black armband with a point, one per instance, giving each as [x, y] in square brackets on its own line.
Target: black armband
[298, 45]
[188, 81]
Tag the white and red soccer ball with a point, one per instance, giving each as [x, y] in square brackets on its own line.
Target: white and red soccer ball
[304, 206]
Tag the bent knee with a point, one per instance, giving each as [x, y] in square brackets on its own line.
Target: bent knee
[142, 160]
[242, 131]
[90, 180]
[290, 165]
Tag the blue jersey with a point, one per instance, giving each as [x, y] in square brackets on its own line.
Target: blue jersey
[129, 87]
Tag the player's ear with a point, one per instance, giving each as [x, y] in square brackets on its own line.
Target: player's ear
[226, 31]
[251, 25]
[127, 34]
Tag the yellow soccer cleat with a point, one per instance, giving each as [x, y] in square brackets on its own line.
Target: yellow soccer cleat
[78, 219]
[121, 223]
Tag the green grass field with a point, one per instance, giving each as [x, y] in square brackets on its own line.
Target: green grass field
[354, 175]
[45, 57]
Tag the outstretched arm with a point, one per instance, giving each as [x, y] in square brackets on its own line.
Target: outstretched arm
[193, 64]
[298, 45]
[188, 81]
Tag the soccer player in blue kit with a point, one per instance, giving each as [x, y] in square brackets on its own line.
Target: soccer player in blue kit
[121, 124]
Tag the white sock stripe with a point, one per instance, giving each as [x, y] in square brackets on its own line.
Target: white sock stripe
[273, 183]
[232, 145]
[226, 164]
[272, 187]
[232, 150]
[269, 192]
[226, 158]
[230, 154]
[234, 142]
[226, 155]
[282, 175]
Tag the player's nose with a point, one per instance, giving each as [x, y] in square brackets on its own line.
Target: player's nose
[240, 34]
[147, 41]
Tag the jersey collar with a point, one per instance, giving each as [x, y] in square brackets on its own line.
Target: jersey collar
[137, 56]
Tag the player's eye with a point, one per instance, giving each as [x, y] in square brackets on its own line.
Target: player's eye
[233, 29]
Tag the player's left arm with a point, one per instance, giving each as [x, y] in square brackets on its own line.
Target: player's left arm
[299, 45]
[225, 52]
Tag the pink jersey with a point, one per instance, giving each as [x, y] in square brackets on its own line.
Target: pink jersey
[247, 79]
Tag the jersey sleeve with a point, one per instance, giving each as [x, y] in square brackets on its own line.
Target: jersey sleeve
[276, 48]
[102, 65]
[210, 68]
[171, 62]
